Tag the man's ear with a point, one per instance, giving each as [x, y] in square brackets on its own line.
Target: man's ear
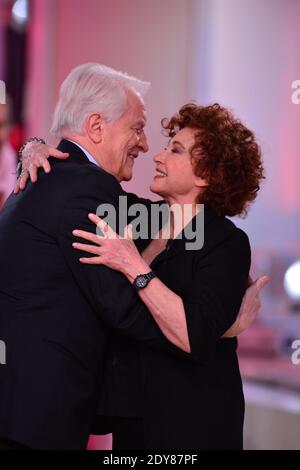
[94, 125]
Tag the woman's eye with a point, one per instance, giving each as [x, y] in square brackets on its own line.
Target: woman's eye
[174, 150]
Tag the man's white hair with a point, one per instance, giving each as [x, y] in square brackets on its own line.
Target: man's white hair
[92, 88]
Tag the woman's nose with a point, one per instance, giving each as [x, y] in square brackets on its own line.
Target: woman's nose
[159, 157]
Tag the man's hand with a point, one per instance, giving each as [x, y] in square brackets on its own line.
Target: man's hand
[249, 308]
[34, 156]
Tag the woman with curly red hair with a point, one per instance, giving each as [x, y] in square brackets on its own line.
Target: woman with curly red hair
[214, 160]
[225, 153]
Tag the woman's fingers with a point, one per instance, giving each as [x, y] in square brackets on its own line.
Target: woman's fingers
[17, 186]
[261, 282]
[23, 180]
[94, 218]
[128, 232]
[94, 260]
[91, 237]
[88, 248]
[35, 155]
[54, 152]
[104, 227]
[46, 166]
[33, 173]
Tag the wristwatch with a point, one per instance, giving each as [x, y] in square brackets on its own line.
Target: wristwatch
[142, 280]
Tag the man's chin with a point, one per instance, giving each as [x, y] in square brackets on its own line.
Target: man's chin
[127, 176]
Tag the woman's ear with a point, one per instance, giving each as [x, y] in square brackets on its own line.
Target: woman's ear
[94, 127]
[200, 182]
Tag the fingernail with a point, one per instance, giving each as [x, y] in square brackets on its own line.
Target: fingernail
[75, 232]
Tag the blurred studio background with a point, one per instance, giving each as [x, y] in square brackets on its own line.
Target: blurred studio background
[244, 54]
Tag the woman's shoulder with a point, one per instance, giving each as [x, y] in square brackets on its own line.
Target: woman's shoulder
[221, 233]
[222, 225]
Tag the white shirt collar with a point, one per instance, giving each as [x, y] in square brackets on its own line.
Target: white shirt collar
[89, 156]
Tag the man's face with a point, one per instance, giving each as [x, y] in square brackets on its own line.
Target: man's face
[3, 124]
[124, 139]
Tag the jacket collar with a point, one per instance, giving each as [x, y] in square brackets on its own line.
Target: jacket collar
[76, 154]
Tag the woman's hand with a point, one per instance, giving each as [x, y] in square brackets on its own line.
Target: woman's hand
[121, 254]
[34, 156]
[118, 253]
[249, 309]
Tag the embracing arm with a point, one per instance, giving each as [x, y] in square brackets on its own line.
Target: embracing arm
[170, 311]
[103, 287]
[34, 156]
[108, 291]
[157, 297]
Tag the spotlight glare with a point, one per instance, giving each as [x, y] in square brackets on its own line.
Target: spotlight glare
[292, 281]
[20, 11]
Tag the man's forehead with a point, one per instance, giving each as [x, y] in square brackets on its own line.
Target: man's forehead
[139, 114]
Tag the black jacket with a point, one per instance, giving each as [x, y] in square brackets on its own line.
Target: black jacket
[196, 403]
[54, 311]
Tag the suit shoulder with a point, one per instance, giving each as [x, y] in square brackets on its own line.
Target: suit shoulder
[73, 179]
[90, 173]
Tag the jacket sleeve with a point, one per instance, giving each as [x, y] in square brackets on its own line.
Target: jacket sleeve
[108, 291]
[215, 294]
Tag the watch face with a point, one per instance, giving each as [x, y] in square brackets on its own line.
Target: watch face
[141, 281]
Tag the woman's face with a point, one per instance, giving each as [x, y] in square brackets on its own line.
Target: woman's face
[175, 179]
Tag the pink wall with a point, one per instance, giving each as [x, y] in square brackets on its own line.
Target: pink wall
[145, 38]
[245, 54]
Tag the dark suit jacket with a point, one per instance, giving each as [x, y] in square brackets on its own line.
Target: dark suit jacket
[195, 404]
[54, 311]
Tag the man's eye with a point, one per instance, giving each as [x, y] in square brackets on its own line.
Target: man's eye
[139, 131]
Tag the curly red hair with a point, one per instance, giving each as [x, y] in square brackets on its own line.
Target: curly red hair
[225, 153]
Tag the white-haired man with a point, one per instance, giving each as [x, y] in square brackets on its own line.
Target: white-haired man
[55, 311]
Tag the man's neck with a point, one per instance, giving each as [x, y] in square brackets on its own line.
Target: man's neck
[86, 145]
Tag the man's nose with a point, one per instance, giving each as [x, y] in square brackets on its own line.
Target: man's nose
[143, 143]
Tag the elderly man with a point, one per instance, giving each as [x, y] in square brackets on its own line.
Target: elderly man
[56, 314]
